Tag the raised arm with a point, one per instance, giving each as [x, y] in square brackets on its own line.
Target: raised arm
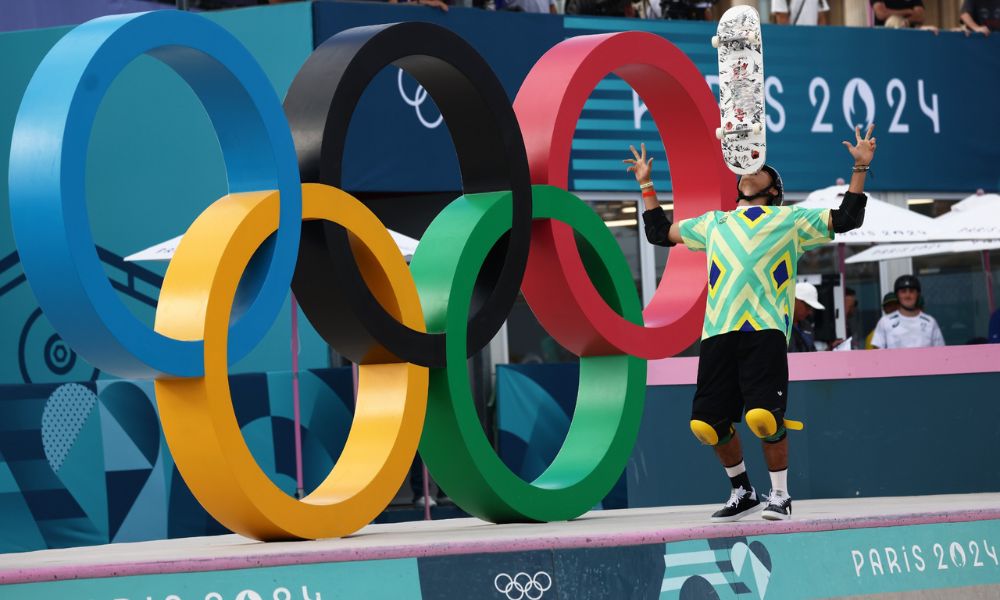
[851, 213]
[660, 231]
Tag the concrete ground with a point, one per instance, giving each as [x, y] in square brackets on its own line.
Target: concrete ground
[462, 536]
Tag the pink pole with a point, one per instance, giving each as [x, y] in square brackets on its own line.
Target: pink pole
[299, 482]
[989, 279]
[841, 264]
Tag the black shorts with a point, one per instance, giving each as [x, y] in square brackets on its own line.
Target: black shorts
[741, 370]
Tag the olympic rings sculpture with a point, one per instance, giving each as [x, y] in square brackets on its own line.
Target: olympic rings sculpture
[286, 223]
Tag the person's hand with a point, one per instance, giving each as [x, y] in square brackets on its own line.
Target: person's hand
[639, 165]
[983, 29]
[864, 150]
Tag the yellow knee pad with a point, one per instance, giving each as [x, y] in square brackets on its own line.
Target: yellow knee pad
[707, 434]
[762, 422]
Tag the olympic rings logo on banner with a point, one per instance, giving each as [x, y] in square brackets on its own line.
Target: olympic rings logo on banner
[420, 96]
[286, 223]
[523, 586]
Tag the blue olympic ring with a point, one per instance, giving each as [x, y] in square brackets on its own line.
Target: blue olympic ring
[47, 182]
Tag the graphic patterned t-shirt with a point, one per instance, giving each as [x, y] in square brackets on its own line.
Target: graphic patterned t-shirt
[753, 254]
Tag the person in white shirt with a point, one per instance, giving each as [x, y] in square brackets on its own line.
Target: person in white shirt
[908, 327]
[801, 12]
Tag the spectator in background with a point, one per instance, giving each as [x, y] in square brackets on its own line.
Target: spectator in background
[600, 8]
[850, 309]
[981, 16]
[801, 12]
[910, 326]
[806, 301]
[889, 305]
[850, 305]
[680, 10]
[531, 6]
[911, 10]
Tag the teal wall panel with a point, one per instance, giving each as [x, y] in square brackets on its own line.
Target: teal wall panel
[86, 463]
[396, 579]
[862, 438]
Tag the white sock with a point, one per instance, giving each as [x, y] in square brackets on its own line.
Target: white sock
[735, 470]
[779, 481]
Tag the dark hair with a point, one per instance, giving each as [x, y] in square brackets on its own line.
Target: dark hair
[850, 292]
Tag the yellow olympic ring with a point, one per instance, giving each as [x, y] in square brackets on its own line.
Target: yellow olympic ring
[197, 413]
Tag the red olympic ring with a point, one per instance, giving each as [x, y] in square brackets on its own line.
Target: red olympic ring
[548, 105]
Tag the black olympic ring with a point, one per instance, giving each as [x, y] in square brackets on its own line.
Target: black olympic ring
[491, 155]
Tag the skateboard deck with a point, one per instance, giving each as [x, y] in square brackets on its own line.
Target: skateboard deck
[741, 90]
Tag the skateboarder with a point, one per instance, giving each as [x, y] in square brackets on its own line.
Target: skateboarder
[752, 252]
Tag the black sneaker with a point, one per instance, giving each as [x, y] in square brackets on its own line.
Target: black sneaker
[779, 507]
[741, 503]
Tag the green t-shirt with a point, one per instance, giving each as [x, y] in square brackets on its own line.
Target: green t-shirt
[753, 254]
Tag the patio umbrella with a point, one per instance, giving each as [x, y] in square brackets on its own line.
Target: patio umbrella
[976, 217]
[884, 222]
[891, 251]
[165, 250]
[974, 201]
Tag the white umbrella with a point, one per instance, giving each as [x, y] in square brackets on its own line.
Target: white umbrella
[162, 251]
[979, 220]
[973, 217]
[891, 251]
[884, 222]
[165, 250]
[974, 201]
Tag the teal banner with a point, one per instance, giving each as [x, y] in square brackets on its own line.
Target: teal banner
[371, 580]
[931, 118]
[835, 563]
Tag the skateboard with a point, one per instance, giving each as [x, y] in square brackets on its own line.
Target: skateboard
[741, 90]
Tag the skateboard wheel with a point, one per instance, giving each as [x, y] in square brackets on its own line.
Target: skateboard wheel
[718, 133]
[715, 41]
[757, 128]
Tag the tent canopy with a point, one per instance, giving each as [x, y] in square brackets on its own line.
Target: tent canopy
[884, 222]
[165, 250]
